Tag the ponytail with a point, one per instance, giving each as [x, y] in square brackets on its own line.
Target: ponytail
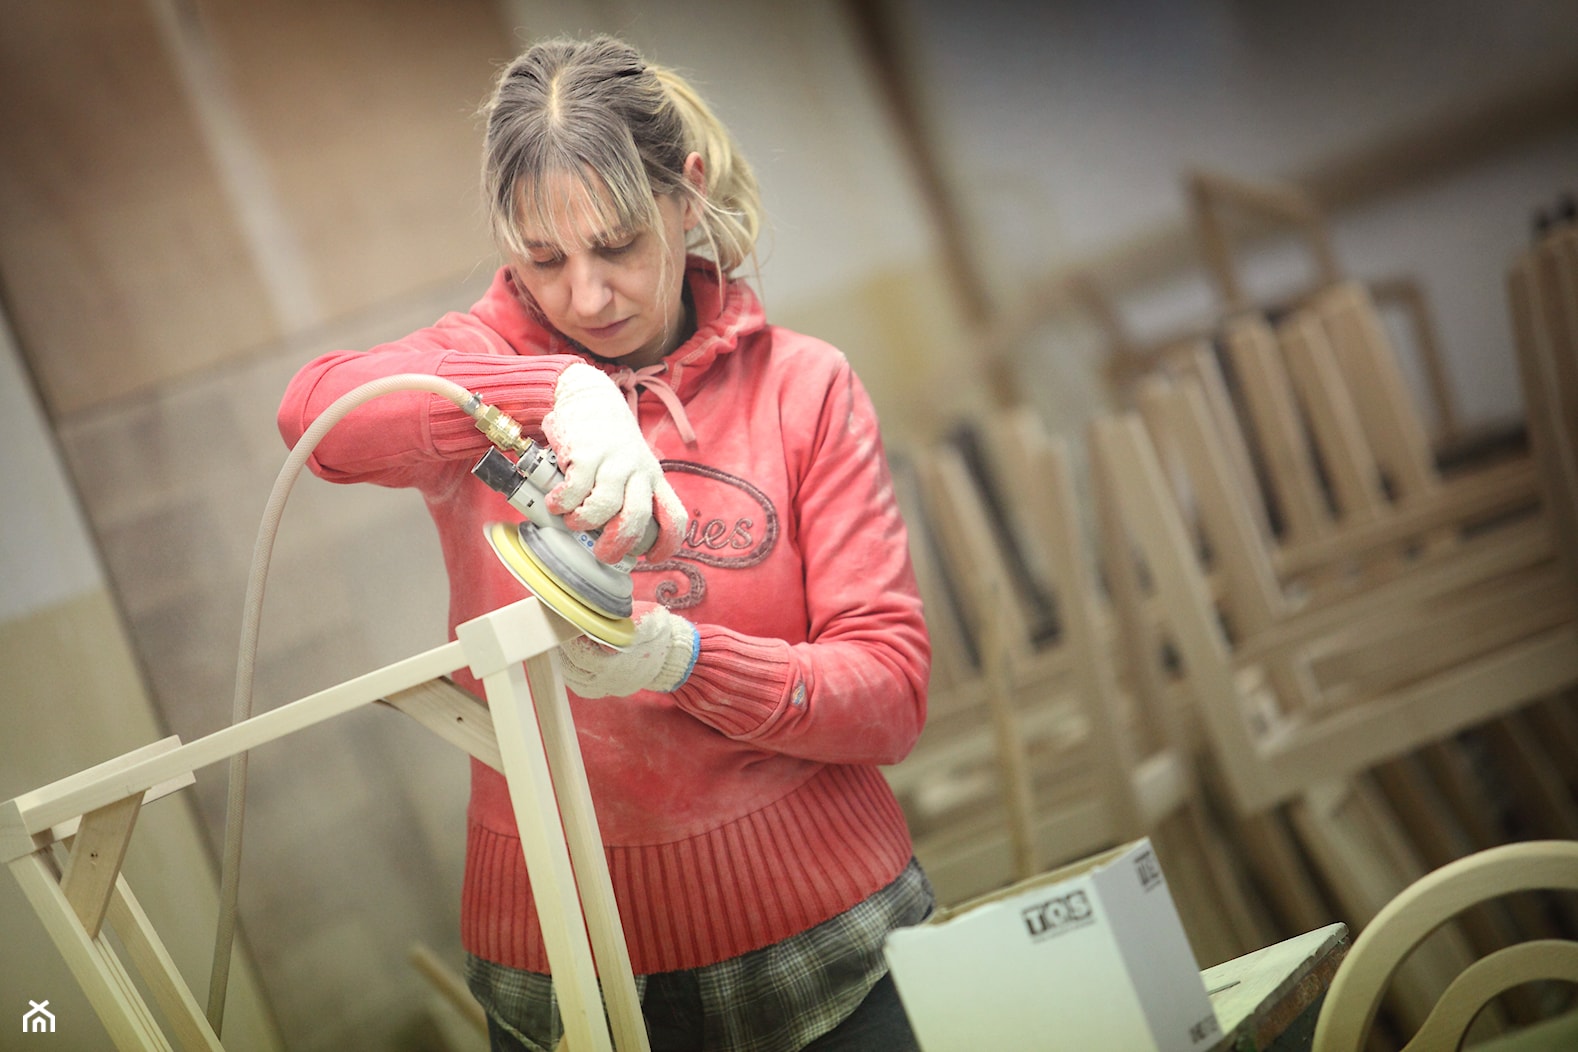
[732, 209]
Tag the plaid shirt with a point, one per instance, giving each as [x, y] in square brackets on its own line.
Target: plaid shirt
[775, 999]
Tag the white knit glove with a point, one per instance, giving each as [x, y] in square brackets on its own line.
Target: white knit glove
[660, 658]
[612, 479]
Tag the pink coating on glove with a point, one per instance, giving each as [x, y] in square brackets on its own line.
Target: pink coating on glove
[659, 658]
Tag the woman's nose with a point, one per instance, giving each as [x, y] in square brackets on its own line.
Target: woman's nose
[589, 289]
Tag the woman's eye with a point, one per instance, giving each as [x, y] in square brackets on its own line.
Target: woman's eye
[618, 248]
[546, 262]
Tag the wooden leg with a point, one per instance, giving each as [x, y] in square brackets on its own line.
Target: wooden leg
[1540, 789]
[1555, 723]
[153, 962]
[98, 971]
[1245, 915]
[547, 858]
[451, 987]
[586, 850]
[1433, 831]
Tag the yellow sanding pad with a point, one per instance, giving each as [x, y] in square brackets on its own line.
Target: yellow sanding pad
[617, 632]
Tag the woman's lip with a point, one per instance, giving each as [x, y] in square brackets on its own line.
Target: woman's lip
[606, 331]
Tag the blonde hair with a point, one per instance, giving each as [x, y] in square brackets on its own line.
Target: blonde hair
[598, 112]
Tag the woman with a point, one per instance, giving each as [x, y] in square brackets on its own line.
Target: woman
[757, 855]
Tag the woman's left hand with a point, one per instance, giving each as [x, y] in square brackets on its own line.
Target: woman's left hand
[660, 658]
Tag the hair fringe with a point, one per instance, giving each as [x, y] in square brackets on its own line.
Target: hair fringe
[621, 132]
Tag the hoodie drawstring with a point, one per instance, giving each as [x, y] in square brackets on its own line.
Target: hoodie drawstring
[632, 382]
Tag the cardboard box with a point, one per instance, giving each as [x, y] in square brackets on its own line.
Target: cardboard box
[1091, 957]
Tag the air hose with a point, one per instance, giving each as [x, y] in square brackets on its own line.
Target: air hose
[500, 429]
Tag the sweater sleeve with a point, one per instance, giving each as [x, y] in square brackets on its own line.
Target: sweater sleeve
[395, 440]
[855, 692]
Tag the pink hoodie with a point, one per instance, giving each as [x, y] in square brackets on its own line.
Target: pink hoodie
[746, 806]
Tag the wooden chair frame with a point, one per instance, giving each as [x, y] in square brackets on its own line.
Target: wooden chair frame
[1057, 758]
[1542, 289]
[1225, 207]
[525, 731]
[1300, 743]
[1425, 906]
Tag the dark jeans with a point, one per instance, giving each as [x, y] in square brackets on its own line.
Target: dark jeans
[672, 1007]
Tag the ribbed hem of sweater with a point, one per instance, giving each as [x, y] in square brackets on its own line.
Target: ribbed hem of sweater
[771, 874]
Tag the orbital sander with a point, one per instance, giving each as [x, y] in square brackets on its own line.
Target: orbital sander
[553, 561]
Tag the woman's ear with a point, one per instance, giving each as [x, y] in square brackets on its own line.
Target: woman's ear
[694, 173]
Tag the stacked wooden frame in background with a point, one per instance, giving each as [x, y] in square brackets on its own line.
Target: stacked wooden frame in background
[1338, 638]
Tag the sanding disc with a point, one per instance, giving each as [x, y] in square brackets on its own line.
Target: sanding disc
[617, 632]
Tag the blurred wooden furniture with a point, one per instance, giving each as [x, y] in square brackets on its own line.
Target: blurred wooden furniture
[1298, 702]
[1542, 288]
[1229, 211]
[1290, 694]
[1338, 451]
[1041, 755]
[1346, 481]
[1360, 983]
[525, 731]
[1008, 777]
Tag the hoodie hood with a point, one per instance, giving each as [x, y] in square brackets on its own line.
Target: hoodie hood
[727, 314]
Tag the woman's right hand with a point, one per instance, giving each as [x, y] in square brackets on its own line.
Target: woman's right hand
[612, 479]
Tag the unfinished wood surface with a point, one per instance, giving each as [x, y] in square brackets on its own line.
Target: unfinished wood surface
[450, 986]
[1295, 487]
[1058, 759]
[1367, 859]
[48, 805]
[512, 649]
[109, 989]
[1016, 741]
[585, 842]
[543, 839]
[452, 714]
[1222, 206]
[1369, 365]
[147, 954]
[1262, 993]
[1430, 827]
[1227, 211]
[93, 865]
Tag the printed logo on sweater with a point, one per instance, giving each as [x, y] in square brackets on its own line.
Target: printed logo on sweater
[733, 525]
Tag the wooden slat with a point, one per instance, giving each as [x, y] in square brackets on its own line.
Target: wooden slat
[94, 864]
[452, 714]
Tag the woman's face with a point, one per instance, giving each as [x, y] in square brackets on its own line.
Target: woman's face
[614, 292]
